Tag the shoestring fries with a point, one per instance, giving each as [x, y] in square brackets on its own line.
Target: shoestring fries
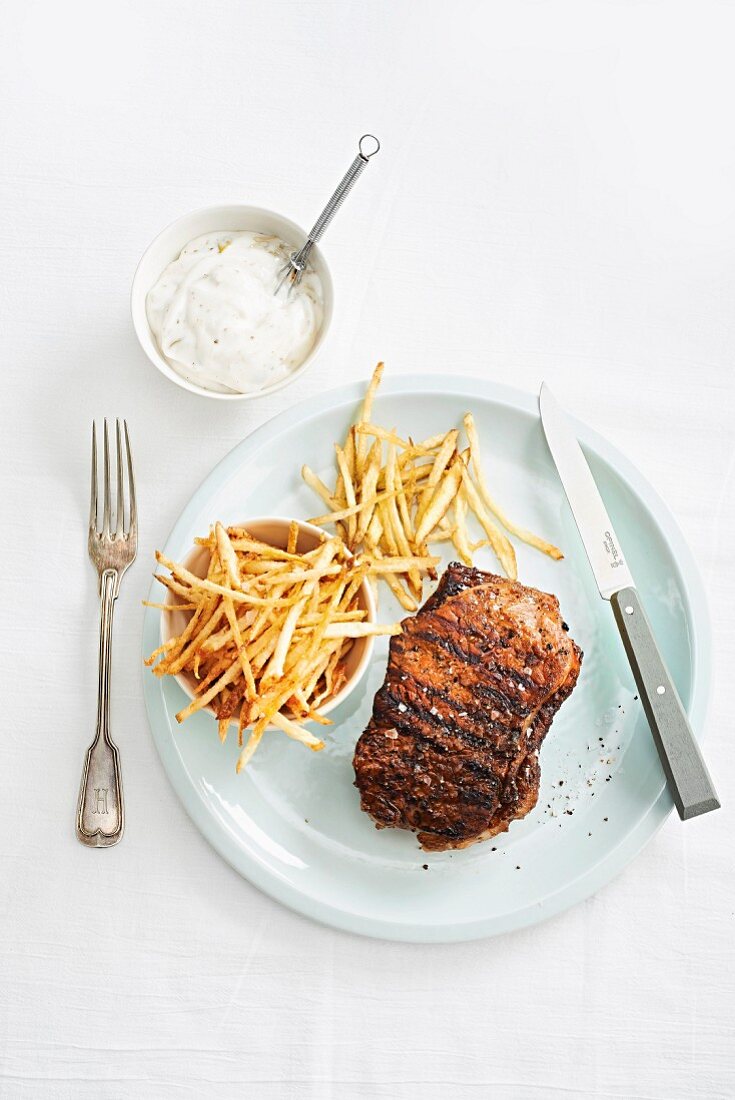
[393, 498]
[269, 631]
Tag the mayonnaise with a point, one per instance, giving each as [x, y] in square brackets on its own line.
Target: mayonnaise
[217, 320]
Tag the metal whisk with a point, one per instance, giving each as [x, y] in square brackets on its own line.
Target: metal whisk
[293, 269]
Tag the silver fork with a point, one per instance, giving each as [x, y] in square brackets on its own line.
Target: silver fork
[100, 813]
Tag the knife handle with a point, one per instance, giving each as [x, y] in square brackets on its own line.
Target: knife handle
[685, 770]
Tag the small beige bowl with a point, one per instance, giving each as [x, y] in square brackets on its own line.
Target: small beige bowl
[274, 531]
[213, 219]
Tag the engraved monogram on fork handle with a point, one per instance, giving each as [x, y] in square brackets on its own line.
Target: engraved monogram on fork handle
[100, 811]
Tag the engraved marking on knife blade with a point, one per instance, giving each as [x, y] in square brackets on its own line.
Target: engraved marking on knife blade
[613, 551]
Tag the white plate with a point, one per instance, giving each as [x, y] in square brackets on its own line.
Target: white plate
[292, 823]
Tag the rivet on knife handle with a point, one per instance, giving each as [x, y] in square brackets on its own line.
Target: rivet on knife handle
[686, 772]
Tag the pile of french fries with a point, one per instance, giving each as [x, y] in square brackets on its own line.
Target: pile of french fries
[393, 498]
[270, 628]
[268, 634]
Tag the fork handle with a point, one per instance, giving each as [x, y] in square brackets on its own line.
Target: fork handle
[100, 812]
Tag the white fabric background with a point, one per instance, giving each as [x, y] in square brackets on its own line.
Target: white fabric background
[555, 199]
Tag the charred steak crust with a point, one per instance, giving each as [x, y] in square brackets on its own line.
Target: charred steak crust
[472, 686]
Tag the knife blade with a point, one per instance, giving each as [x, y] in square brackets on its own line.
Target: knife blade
[686, 773]
[594, 524]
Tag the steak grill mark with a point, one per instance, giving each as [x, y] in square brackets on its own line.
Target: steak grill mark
[471, 689]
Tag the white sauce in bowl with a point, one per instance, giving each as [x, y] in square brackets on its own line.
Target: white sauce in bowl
[217, 320]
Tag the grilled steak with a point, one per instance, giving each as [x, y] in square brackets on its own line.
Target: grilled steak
[472, 686]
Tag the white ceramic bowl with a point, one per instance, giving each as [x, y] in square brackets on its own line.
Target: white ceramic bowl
[274, 531]
[168, 245]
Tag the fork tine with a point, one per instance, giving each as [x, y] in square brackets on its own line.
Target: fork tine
[106, 473]
[133, 521]
[93, 495]
[120, 501]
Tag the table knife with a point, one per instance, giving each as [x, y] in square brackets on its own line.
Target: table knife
[685, 770]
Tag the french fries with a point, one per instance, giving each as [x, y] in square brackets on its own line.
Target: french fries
[520, 532]
[269, 629]
[393, 498]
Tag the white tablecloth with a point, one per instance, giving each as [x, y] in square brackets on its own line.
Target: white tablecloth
[555, 199]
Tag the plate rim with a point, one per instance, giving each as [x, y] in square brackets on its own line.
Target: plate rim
[589, 881]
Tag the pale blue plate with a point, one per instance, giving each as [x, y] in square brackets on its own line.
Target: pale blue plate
[292, 823]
